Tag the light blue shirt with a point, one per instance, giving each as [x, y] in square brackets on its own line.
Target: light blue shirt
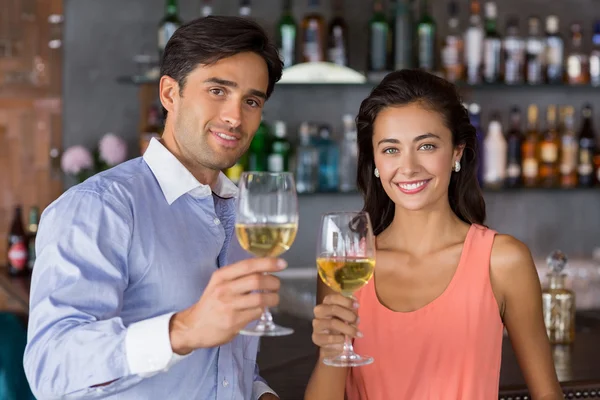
[116, 257]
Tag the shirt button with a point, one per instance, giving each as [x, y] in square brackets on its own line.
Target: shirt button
[225, 383]
[217, 221]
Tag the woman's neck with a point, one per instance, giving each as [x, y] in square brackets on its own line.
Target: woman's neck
[423, 231]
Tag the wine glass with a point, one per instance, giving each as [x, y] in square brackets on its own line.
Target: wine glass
[266, 225]
[345, 261]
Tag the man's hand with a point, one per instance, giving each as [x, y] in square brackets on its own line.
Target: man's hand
[268, 396]
[230, 301]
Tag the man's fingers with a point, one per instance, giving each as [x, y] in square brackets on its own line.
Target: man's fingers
[247, 267]
[254, 282]
[244, 317]
[255, 300]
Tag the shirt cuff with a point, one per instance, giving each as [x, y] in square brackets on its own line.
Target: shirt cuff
[259, 388]
[148, 346]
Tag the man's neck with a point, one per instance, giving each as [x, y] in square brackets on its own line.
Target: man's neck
[202, 174]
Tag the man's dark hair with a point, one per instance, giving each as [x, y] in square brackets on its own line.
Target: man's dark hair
[210, 39]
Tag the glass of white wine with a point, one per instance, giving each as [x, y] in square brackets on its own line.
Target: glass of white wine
[266, 225]
[345, 261]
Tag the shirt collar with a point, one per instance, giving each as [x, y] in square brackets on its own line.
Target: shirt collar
[175, 179]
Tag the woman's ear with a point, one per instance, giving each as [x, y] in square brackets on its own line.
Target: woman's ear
[458, 152]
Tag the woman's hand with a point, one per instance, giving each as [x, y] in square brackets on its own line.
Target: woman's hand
[334, 318]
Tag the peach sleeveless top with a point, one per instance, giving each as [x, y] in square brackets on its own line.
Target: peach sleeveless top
[449, 349]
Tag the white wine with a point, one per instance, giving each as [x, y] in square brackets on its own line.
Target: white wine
[266, 240]
[345, 275]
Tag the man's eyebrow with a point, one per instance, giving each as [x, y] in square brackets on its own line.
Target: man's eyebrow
[232, 84]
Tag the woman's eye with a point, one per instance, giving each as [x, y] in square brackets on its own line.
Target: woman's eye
[428, 147]
[390, 150]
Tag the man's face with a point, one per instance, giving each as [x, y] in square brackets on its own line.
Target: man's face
[219, 110]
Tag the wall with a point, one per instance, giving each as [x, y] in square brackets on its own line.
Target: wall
[101, 38]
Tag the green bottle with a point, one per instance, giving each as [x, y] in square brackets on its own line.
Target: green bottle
[379, 39]
[279, 156]
[426, 31]
[168, 25]
[286, 35]
[259, 148]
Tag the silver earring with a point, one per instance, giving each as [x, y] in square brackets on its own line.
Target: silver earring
[376, 173]
[456, 166]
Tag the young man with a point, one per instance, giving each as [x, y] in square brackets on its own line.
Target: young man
[136, 292]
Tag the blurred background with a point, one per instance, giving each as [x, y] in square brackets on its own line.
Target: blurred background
[78, 94]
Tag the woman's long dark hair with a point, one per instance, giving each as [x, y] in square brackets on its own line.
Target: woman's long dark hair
[436, 94]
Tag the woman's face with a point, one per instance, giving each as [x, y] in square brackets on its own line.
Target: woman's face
[414, 154]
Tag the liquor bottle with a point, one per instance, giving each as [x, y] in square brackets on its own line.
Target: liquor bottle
[401, 25]
[307, 161]
[258, 151]
[595, 56]
[245, 8]
[514, 53]
[17, 245]
[529, 151]
[287, 35]
[34, 220]
[587, 146]
[279, 157]
[549, 148]
[554, 51]
[578, 72]
[426, 36]
[337, 51]
[379, 37]
[569, 149]
[328, 160]
[475, 119]
[313, 34]
[453, 51]
[207, 9]
[474, 44]
[558, 302]
[168, 25]
[535, 53]
[514, 141]
[348, 155]
[492, 45]
[495, 156]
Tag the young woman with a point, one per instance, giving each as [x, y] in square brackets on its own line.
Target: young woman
[445, 285]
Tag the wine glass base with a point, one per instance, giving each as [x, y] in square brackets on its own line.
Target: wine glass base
[347, 360]
[267, 330]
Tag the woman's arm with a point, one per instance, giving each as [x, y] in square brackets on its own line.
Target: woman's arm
[333, 315]
[515, 281]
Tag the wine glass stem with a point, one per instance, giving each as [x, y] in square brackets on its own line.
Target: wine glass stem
[266, 319]
[348, 349]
